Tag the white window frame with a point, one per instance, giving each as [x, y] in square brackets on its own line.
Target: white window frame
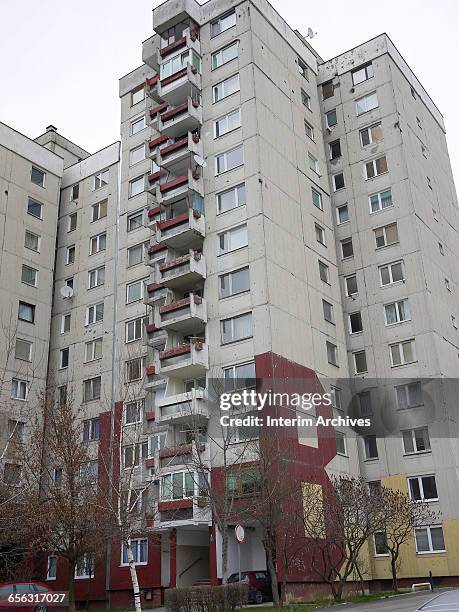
[97, 207]
[90, 350]
[133, 215]
[383, 228]
[346, 286]
[35, 278]
[100, 179]
[334, 347]
[353, 333]
[376, 553]
[421, 487]
[35, 236]
[365, 99]
[406, 393]
[215, 89]
[229, 275]
[330, 127]
[238, 199]
[133, 323]
[380, 201]
[374, 165]
[335, 188]
[72, 227]
[136, 541]
[92, 308]
[338, 208]
[67, 316]
[131, 249]
[219, 53]
[431, 551]
[313, 164]
[134, 150]
[50, 576]
[316, 192]
[231, 322]
[219, 124]
[140, 180]
[137, 121]
[26, 344]
[97, 241]
[142, 282]
[34, 201]
[412, 434]
[91, 382]
[305, 99]
[369, 129]
[320, 234]
[127, 365]
[139, 406]
[368, 73]
[137, 90]
[20, 384]
[341, 436]
[401, 352]
[89, 562]
[171, 475]
[389, 268]
[43, 182]
[156, 442]
[323, 266]
[96, 273]
[397, 303]
[354, 356]
[227, 239]
[309, 130]
[224, 160]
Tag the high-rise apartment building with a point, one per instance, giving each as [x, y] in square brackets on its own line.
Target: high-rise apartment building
[267, 215]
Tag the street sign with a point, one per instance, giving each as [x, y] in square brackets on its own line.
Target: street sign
[240, 534]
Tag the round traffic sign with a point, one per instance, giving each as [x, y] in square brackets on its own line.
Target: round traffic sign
[240, 533]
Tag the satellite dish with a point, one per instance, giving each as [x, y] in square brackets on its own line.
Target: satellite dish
[200, 161]
[66, 292]
[311, 33]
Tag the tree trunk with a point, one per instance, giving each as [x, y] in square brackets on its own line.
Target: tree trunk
[393, 568]
[224, 534]
[134, 579]
[273, 574]
[337, 590]
[71, 585]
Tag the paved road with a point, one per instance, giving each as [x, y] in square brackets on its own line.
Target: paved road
[425, 601]
[446, 602]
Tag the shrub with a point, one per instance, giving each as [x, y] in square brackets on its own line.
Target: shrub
[225, 598]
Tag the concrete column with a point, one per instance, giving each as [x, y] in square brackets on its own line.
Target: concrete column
[173, 558]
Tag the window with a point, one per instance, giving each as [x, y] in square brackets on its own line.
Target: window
[391, 273]
[139, 549]
[340, 443]
[89, 472]
[234, 282]
[23, 350]
[137, 95]
[242, 433]
[327, 90]
[26, 312]
[360, 362]
[101, 179]
[135, 291]
[338, 181]
[359, 75]
[133, 453]
[96, 277]
[91, 389]
[133, 412]
[423, 488]
[223, 23]
[134, 330]
[239, 376]
[12, 474]
[135, 221]
[380, 543]
[397, 312]
[34, 208]
[156, 442]
[62, 394]
[331, 118]
[335, 149]
[75, 192]
[306, 99]
[324, 272]
[137, 155]
[70, 255]
[313, 163]
[350, 282]
[64, 358]
[320, 233]
[332, 353]
[347, 250]
[226, 88]
[355, 322]
[29, 276]
[72, 222]
[99, 210]
[229, 160]
[51, 571]
[371, 134]
[336, 397]
[231, 198]
[303, 69]
[317, 199]
[134, 369]
[309, 130]
[342, 214]
[225, 55]
[371, 447]
[409, 395]
[37, 176]
[376, 167]
[135, 255]
[328, 311]
[32, 241]
[236, 328]
[93, 350]
[233, 239]
[179, 485]
[91, 430]
[429, 539]
[137, 125]
[94, 313]
[16, 431]
[386, 235]
[19, 389]
[367, 103]
[380, 201]
[85, 566]
[227, 123]
[402, 353]
[245, 483]
[416, 440]
[365, 405]
[136, 186]
[65, 323]
[97, 243]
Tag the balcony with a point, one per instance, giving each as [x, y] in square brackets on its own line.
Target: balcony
[156, 337]
[186, 117]
[155, 252]
[178, 156]
[155, 292]
[185, 272]
[187, 316]
[150, 52]
[189, 40]
[154, 215]
[185, 231]
[185, 186]
[184, 406]
[176, 88]
[185, 361]
[152, 377]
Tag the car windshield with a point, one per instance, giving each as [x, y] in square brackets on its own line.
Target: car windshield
[24, 588]
[5, 591]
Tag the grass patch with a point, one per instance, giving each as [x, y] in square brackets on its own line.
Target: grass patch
[324, 603]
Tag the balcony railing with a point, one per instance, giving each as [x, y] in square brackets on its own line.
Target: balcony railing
[183, 272]
[186, 117]
[184, 407]
[187, 316]
[186, 361]
[186, 230]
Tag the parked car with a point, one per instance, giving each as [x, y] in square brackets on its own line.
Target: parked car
[22, 588]
[259, 585]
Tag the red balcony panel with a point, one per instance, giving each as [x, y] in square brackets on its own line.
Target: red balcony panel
[149, 463]
[175, 305]
[177, 504]
[151, 82]
[150, 370]
[174, 146]
[154, 211]
[181, 42]
[180, 180]
[157, 141]
[175, 111]
[168, 265]
[154, 177]
[158, 109]
[153, 287]
[150, 416]
[151, 328]
[174, 352]
[173, 222]
[173, 77]
[184, 449]
[155, 248]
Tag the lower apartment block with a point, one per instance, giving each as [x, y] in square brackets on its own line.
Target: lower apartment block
[267, 216]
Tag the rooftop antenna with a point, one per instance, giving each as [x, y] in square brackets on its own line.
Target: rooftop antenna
[310, 33]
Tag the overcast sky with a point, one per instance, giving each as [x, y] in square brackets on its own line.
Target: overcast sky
[60, 60]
